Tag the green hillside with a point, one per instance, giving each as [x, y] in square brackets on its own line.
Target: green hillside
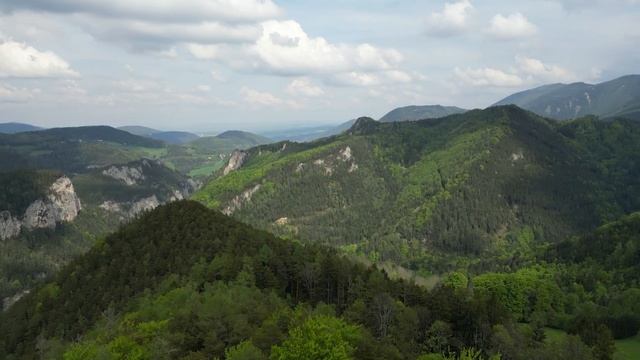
[467, 184]
[73, 149]
[202, 157]
[185, 282]
[413, 113]
[616, 98]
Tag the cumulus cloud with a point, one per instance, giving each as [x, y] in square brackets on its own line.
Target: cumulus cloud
[304, 87]
[451, 20]
[511, 27]
[528, 71]
[265, 99]
[284, 47]
[20, 60]
[158, 10]
[487, 77]
[145, 35]
[535, 69]
[156, 25]
[12, 94]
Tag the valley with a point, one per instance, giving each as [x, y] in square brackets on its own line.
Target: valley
[434, 233]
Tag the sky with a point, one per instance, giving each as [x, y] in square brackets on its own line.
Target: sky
[215, 65]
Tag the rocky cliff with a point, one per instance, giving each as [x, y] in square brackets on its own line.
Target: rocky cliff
[235, 162]
[60, 205]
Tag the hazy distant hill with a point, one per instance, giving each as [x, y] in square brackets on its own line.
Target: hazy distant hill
[169, 137]
[174, 137]
[615, 98]
[139, 130]
[412, 113]
[12, 128]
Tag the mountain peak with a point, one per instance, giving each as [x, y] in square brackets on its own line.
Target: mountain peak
[363, 125]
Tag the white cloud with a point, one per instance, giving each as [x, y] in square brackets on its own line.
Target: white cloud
[511, 27]
[487, 77]
[294, 52]
[11, 94]
[305, 87]
[451, 20]
[265, 99]
[20, 60]
[536, 70]
[528, 71]
[159, 10]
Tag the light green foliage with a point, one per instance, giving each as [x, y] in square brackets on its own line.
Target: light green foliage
[523, 292]
[320, 337]
[244, 351]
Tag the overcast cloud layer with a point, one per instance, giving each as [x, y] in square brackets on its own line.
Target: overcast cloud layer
[211, 65]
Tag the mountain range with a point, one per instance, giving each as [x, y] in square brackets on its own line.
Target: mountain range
[616, 98]
[434, 233]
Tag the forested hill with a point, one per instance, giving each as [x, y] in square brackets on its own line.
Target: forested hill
[463, 184]
[185, 282]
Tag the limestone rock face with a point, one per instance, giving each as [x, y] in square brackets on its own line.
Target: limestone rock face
[60, 205]
[64, 199]
[237, 202]
[9, 225]
[235, 162]
[128, 175]
[142, 205]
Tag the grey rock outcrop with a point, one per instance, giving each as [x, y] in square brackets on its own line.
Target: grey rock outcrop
[142, 205]
[9, 226]
[128, 175]
[60, 205]
[237, 202]
[235, 161]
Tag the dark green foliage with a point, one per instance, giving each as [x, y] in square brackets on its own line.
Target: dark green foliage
[20, 188]
[190, 279]
[72, 149]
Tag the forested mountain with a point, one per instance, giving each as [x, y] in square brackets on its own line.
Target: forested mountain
[185, 282]
[413, 113]
[13, 128]
[413, 192]
[615, 98]
[73, 149]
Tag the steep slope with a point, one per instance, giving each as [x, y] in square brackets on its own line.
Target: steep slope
[615, 98]
[464, 184]
[413, 113]
[13, 128]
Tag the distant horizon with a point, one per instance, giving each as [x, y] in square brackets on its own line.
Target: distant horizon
[294, 127]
